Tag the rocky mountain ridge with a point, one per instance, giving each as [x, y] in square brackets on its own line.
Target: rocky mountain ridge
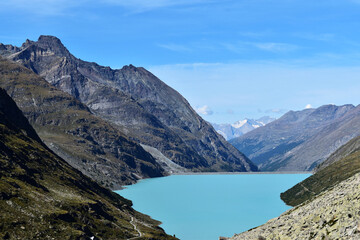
[43, 197]
[67, 126]
[300, 140]
[136, 102]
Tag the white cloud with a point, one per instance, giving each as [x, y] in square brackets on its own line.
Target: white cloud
[308, 106]
[204, 110]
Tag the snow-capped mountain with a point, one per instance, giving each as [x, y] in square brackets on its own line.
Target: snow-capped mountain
[230, 131]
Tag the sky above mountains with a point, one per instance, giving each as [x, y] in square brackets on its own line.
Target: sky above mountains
[230, 59]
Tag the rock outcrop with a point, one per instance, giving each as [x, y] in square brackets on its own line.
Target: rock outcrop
[43, 197]
[137, 102]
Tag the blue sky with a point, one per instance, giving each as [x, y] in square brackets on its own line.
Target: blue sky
[230, 59]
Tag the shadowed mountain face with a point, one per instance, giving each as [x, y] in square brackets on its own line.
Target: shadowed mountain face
[137, 102]
[300, 140]
[68, 127]
[43, 197]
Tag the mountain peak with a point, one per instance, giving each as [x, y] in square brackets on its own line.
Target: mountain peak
[27, 43]
[49, 39]
[130, 67]
[51, 43]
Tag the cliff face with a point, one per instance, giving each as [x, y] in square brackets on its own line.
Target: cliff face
[135, 101]
[300, 140]
[69, 128]
[43, 197]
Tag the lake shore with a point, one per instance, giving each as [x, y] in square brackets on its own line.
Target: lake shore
[204, 206]
[241, 173]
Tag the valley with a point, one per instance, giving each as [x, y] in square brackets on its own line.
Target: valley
[73, 131]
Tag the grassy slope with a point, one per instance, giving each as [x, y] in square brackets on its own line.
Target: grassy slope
[43, 197]
[326, 177]
[87, 142]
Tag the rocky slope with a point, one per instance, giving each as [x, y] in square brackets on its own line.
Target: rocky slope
[69, 128]
[334, 214]
[43, 197]
[342, 164]
[137, 102]
[300, 140]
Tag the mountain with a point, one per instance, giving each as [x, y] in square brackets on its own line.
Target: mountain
[350, 147]
[239, 128]
[326, 203]
[68, 127]
[136, 102]
[341, 165]
[43, 197]
[300, 140]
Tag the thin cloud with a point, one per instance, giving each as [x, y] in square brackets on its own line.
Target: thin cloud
[175, 47]
[236, 48]
[261, 88]
[253, 34]
[230, 111]
[322, 37]
[42, 7]
[276, 47]
[276, 110]
[61, 7]
[204, 110]
[146, 5]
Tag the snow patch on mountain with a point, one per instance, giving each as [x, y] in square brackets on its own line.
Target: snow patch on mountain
[230, 131]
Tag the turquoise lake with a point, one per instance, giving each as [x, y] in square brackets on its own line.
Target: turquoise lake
[204, 207]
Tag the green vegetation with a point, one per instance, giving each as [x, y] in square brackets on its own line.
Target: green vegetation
[43, 197]
[325, 178]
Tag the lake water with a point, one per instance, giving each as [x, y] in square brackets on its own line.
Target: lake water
[204, 207]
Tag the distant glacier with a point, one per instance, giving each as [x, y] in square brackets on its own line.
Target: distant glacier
[230, 131]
